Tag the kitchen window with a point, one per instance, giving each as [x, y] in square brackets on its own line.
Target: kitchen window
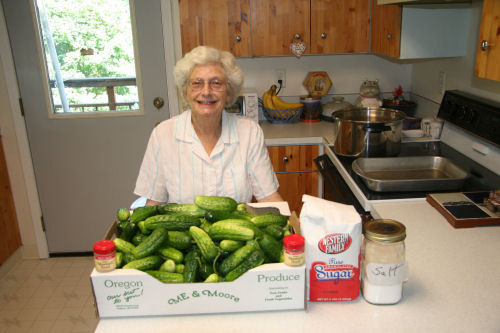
[89, 56]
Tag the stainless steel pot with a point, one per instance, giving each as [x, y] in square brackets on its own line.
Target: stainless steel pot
[368, 132]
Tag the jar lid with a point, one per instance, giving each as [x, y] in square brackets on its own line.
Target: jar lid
[293, 241]
[310, 99]
[104, 246]
[385, 230]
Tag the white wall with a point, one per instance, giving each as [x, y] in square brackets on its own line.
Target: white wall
[347, 72]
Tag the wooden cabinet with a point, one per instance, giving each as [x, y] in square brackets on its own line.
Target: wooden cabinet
[223, 24]
[488, 48]
[296, 172]
[326, 26]
[340, 26]
[417, 32]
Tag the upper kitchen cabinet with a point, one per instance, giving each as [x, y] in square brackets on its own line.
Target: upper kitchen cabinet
[276, 24]
[223, 24]
[488, 49]
[418, 32]
[340, 26]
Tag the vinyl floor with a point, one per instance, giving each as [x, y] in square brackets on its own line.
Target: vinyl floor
[48, 295]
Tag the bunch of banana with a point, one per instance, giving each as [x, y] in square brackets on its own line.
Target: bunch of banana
[272, 101]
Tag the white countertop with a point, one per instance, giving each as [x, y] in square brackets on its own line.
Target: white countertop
[453, 286]
[298, 133]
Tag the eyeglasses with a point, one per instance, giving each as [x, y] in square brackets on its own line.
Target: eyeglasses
[214, 84]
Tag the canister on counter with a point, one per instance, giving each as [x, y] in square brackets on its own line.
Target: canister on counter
[312, 109]
[104, 256]
[293, 250]
[384, 267]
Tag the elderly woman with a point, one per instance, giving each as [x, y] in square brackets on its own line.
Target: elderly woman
[204, 150]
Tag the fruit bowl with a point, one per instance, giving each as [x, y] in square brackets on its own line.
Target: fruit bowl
[282, 116]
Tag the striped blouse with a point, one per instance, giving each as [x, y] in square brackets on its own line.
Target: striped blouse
[176, 167]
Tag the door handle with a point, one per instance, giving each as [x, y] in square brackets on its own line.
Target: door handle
[158, 102]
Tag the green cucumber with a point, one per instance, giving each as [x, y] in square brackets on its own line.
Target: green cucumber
[124, 246]
[181, 209]
[275, 230]
[167, 277]
[168, 266]
[171, 253]
[214, 203]
[221, 231]
[191, 265]
[271, 247]
[206, 245]
[256, 258]
[143, 229]
[212, 278]
[237, 257]
[141, 213]
[180, 240]
[123, 214]
[119, 259]
[145, 264]
[244, 223]
[230, 245]
[126, 230]
[138, 238]
[151, 244]
[264, 220]
[171, 222]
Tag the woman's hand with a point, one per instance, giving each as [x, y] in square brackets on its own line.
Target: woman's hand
[153, 203]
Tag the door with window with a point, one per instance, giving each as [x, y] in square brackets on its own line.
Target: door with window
[88, 121]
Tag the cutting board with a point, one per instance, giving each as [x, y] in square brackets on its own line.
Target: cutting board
[464, 209]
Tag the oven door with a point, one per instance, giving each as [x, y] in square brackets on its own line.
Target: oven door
[335, 188]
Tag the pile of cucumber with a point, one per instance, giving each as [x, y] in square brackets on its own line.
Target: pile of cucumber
[212, 240]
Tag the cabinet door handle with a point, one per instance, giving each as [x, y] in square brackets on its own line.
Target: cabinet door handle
[323, 35]
[297, 36]
[238, 38]
[389, 36]
[285, 159]
[485, 45]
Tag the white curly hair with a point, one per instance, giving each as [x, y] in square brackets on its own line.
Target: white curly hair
[202, 55]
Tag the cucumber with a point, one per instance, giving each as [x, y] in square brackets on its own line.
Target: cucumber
[212, 278]
[138, 238]
[151, 244]
[124, 246]
[213, 203]
[119, 259]
[205, 269]
[237, 257]
[171, 253]
[180, 240]
[214, 216]
[122, 214]
[167, 266]
[179, 268]
[142, 228]
[167, 277]
[206, 245]
[221, 231]
[171, 222]
[181, 209]
[230, 245]
[191, 265]
[145, 264]
[271, 247]
[264, 220]
[275, 230]
[244, 223]
[126, 230]
[256, 258]
[141, 213]
[205, 225]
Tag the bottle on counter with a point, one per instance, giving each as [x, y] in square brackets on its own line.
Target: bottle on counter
[293, 250]
[104, 256]
[384, 268]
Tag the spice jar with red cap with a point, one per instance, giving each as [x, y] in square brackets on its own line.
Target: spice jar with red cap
[104, 256]
[293, 250]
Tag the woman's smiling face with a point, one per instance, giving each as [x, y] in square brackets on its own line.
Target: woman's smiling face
[207, 91]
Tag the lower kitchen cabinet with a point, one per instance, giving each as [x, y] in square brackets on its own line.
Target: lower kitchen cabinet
[296, 172]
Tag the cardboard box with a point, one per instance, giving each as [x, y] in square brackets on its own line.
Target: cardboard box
[129, 292]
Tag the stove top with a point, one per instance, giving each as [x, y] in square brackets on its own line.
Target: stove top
[480, 178]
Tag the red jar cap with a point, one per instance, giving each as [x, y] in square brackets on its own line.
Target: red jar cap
[104, 246]
[294, 241]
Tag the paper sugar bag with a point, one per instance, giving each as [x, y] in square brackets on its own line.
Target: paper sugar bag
[333, 249]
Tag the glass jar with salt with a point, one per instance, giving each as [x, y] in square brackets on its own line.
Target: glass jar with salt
[384, 268]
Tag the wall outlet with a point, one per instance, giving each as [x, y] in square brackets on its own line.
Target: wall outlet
[280, 74]
[442, 82]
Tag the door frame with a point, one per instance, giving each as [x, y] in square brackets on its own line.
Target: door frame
[19, 162]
